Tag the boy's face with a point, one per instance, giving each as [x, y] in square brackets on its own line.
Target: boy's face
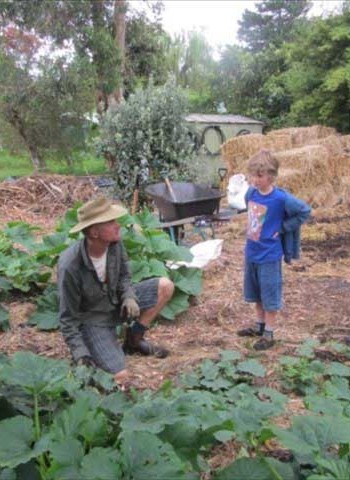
[263, 181]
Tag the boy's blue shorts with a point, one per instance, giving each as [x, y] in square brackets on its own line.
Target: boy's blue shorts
[263, 284]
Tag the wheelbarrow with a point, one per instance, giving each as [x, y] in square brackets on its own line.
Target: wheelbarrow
[181, 203]
[184, 200]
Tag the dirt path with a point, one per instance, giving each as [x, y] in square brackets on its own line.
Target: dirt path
[317, 304]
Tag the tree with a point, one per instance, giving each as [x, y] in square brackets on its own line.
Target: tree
[44, 101]
[190, 58]
[318, 75]
[147, 135]
[272, 24]
[97, 30]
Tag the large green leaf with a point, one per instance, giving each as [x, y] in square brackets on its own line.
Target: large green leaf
[140, 270]
[147, 457]
[67, 456]
[101, 464]
[178, 304]
[22, 233]
[115, 403]
[147, 219]
[157, 268]
[325, 405]
[334, 469]
[253, 367]
[80, 421]
[17, 436]
[8, 474]
[256, 469]
[338, 369]
[188, 280]
[337, 387]
[312, 435]
[47, 320]
[35, 374]
[150, 416]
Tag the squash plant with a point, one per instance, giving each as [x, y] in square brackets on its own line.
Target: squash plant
[26, 263]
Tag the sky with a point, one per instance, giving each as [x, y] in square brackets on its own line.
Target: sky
[218, 18]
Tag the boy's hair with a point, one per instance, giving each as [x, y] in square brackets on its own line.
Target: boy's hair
[263, 162]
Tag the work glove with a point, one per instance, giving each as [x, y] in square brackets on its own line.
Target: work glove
[130, 308]
[86, 361]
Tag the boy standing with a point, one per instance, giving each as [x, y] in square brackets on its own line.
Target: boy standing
[274, 220]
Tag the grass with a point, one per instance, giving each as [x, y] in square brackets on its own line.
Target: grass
[19, 165]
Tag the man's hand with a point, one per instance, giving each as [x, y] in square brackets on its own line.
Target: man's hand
[86, 361]
[130, 308]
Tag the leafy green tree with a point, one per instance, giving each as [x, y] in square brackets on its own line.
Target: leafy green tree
[190, 59]
[147, 135]
[271, 24]
[146, 48]
[318, 75]
[43, 100]
[249, 79]
[96, 30]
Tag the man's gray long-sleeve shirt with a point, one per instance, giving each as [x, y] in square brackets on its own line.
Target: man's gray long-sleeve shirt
[84, 298]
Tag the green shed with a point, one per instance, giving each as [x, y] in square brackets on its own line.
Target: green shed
[212, 130]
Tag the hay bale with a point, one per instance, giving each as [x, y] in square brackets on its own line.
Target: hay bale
[344, 190]
[339, 165]
[333, 144]
[345, 140]
[236, 151]
[290, 179]
[324, 196]
[300, 136]
[304, 158]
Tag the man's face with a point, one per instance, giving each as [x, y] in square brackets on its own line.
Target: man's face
[108, 231]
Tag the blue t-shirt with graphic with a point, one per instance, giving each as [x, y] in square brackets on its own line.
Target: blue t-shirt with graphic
[265, 217]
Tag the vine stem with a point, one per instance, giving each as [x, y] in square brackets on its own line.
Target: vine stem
[37, 429]
[275, 475]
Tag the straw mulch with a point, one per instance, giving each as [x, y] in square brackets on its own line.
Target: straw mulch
[317, 304]
[314, 161]
[42, 196]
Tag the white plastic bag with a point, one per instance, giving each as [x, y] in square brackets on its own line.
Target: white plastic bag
[203, 253]
[236, 190]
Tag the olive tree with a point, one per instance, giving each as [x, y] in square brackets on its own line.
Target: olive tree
[147, 135]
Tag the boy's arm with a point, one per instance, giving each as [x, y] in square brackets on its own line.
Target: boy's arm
[297, 212]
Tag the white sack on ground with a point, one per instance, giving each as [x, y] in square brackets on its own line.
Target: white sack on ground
[203, 253]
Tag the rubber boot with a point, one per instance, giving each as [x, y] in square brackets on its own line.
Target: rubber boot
[135, 342]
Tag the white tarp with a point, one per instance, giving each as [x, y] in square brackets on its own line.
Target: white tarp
[203, 253]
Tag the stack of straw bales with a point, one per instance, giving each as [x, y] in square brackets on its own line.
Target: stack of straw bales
[314, 161]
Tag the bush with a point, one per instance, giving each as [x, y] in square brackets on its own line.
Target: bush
[147, 136]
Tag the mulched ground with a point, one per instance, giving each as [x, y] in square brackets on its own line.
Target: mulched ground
[317, 289]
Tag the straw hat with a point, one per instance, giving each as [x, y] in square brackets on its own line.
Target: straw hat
[95, 211]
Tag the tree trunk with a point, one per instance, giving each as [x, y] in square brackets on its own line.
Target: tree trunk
[120, 9]
[37, 161]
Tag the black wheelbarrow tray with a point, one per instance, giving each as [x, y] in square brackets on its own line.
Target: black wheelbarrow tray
[189, 200]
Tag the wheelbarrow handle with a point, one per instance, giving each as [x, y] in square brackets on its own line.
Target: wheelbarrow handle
[170, 188]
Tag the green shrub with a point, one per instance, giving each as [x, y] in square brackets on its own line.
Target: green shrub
[147, 135]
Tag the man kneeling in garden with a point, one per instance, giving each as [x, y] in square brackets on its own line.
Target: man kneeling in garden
[96, 294]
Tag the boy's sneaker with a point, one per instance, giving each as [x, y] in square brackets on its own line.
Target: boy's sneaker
[265, 342]
[254, 331]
